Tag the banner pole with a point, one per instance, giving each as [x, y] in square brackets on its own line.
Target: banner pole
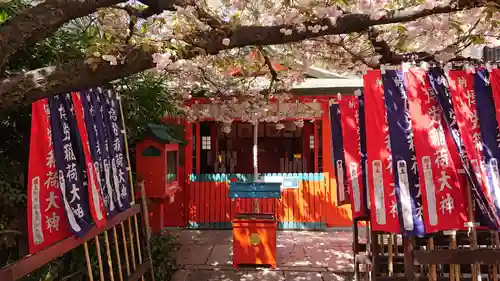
[125, 139]
[132, 195]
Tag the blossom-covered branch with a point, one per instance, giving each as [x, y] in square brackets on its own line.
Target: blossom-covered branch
[188, 40]
[41, 21]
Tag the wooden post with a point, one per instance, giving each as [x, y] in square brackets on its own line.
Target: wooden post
[87, 261]
[117, 251]
[454, 269]
[408, 258]
[476, 270]
[147, 229]
[497, 245]
[124, 239]
[369, 248]
[390, 255]
[355, 246]
[432, 267]
[99, 258]
[108, 255]
[375, 251]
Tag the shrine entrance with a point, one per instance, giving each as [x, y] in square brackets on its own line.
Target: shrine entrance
[287, 150]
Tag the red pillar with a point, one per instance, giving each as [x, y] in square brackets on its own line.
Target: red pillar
[188, 166]
[198, 148]
[213, 143]
[326, 137]
[316, 147]
[306, 148]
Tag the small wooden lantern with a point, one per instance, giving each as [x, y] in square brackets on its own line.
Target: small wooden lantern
[157, 165]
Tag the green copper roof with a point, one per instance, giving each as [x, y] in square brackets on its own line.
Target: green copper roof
[167, 133]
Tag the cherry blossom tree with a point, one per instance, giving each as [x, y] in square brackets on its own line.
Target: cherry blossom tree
[200, 41]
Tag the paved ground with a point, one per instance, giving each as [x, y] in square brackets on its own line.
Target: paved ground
[302, 256]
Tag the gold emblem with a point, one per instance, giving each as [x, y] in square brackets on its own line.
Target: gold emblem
[254, 239]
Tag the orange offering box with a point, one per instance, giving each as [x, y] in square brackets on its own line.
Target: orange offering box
[254, 239]
[254, 234]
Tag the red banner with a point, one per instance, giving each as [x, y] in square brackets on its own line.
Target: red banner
[464, 104]
[96, 202]
[46, 217]
[352, 152]
[495, 86]
[444, 198]
[384, 213]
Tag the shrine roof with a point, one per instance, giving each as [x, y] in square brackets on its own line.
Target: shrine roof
[166, 133]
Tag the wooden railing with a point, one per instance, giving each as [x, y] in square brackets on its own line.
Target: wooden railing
[126, 254]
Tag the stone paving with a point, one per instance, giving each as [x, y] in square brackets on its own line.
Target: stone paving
[302, 256]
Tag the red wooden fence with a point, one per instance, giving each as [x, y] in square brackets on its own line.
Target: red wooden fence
[311, 206]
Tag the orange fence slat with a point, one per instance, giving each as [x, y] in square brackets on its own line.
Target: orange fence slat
[197, 201]
[319, 192]
[214, 203]
[228, 204]
[219, 218]
[191, 203]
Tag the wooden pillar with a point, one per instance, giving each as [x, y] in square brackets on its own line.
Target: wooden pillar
[316, 147]
[198, 147]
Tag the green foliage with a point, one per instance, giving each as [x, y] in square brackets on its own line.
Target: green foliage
[146, 99]
[163, 250]
[67, 43]
[70, 267]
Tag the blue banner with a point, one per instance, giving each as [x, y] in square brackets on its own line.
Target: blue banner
[70, 164]
[487, 122]
[362, 141]
[96, 133]
[403, 154]
[116, 142]
[111, 175]
[338, 154]
[439, 86]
